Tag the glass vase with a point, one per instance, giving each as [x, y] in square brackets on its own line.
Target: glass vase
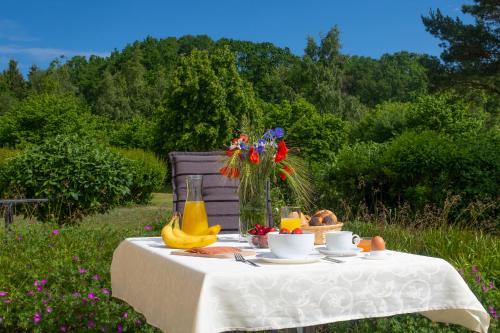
[253, 211]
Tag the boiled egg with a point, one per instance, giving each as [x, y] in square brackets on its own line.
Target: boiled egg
[378, 243]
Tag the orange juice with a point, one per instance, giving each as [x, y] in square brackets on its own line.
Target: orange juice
[290, 223]
[194, 219]
[365, 244]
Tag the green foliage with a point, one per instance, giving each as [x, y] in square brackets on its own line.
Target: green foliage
[70, 266]
[136, 133]
[387, 120]
[44, 116]
[395, 77]
[205, 105]
[421, 169]
[13, 80]
[6, 154]
[471, 51]
[446, 113]
[148, 174]
[79, 177]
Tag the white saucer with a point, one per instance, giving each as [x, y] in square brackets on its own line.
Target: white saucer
[340, 253]
[270, 257]
[382, 256]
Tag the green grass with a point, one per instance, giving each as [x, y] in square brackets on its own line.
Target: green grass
[31, 253]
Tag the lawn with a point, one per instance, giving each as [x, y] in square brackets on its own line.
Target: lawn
[57, 278]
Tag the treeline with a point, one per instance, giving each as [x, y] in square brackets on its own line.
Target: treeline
[403, 129]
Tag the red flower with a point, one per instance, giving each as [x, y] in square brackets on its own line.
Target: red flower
[287, 171]
[244, 138]
[230, 172]
[253, 156]
[282, 152]
[230, 152]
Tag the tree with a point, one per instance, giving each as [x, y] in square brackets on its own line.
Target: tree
[320, 78]
[42, 116]
[14, 81]
[113, 101]
[471, 51]
[205, 104]
[394, 77]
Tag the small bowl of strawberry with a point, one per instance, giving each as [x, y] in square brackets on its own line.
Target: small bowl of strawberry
[257, 236]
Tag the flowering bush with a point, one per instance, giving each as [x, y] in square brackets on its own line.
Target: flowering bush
[485, 289]
[57, 280]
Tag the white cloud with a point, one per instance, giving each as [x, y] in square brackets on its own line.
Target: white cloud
[43, 53]
[12, 31]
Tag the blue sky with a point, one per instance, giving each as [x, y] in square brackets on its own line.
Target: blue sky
[37, 31]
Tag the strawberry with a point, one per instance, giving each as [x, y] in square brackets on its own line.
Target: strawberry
[297, 231]
[284, 231]
[252, 232]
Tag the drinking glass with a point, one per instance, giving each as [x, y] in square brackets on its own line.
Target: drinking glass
[290, 218]
[366, 244]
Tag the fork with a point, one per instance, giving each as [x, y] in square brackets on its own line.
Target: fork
[239, 257]
[333, 260]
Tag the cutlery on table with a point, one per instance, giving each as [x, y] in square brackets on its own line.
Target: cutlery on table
[239, 257]
[333, 260]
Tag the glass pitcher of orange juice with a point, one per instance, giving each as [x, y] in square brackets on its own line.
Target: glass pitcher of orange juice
[194, 218]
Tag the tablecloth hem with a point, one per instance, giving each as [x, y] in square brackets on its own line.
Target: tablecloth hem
[345, 318]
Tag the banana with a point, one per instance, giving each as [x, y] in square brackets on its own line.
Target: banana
[175, 238]
[213, 230]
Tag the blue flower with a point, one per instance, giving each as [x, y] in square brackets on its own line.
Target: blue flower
[259, 148]
[243, 146]
[269, 134]
[279, 132]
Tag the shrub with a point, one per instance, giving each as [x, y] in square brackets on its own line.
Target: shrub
[57, 279]
[420, 169]
[445, 113]
[148, 174]
[383, 123]
[6, 153]
[43, 116]
[136, 133]
[78, 177]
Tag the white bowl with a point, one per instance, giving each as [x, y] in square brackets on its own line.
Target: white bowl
[291, 246]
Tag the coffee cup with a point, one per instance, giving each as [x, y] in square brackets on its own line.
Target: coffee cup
[341, 240]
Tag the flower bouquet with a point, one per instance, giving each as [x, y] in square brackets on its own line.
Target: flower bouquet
[257, 163]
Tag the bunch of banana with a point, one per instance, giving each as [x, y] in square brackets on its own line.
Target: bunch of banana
[175, 238]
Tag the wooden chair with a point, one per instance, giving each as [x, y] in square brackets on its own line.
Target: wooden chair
[219, 193]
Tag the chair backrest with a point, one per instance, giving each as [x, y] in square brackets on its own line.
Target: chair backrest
[219, 193]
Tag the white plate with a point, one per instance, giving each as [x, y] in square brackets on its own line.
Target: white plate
[384, 256]
[270, 257]
[340, 253]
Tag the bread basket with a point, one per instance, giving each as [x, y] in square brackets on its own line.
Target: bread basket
[320, 231]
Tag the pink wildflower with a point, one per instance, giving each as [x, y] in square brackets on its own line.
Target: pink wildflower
[82, 270]
[75, 258]
[125, 315]
[105, 291]
[119, 328]
[148, 228]
[63, 328]
[92, 296]
[55, 232]
[3, 293]
[91, 324]
[96, 277]
[37, 317]
[49, 309]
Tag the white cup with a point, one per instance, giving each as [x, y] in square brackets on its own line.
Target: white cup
[341, 240]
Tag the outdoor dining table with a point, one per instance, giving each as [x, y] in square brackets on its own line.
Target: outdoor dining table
[180, 294]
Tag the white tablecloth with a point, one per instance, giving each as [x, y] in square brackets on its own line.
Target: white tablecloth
[181, 294]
